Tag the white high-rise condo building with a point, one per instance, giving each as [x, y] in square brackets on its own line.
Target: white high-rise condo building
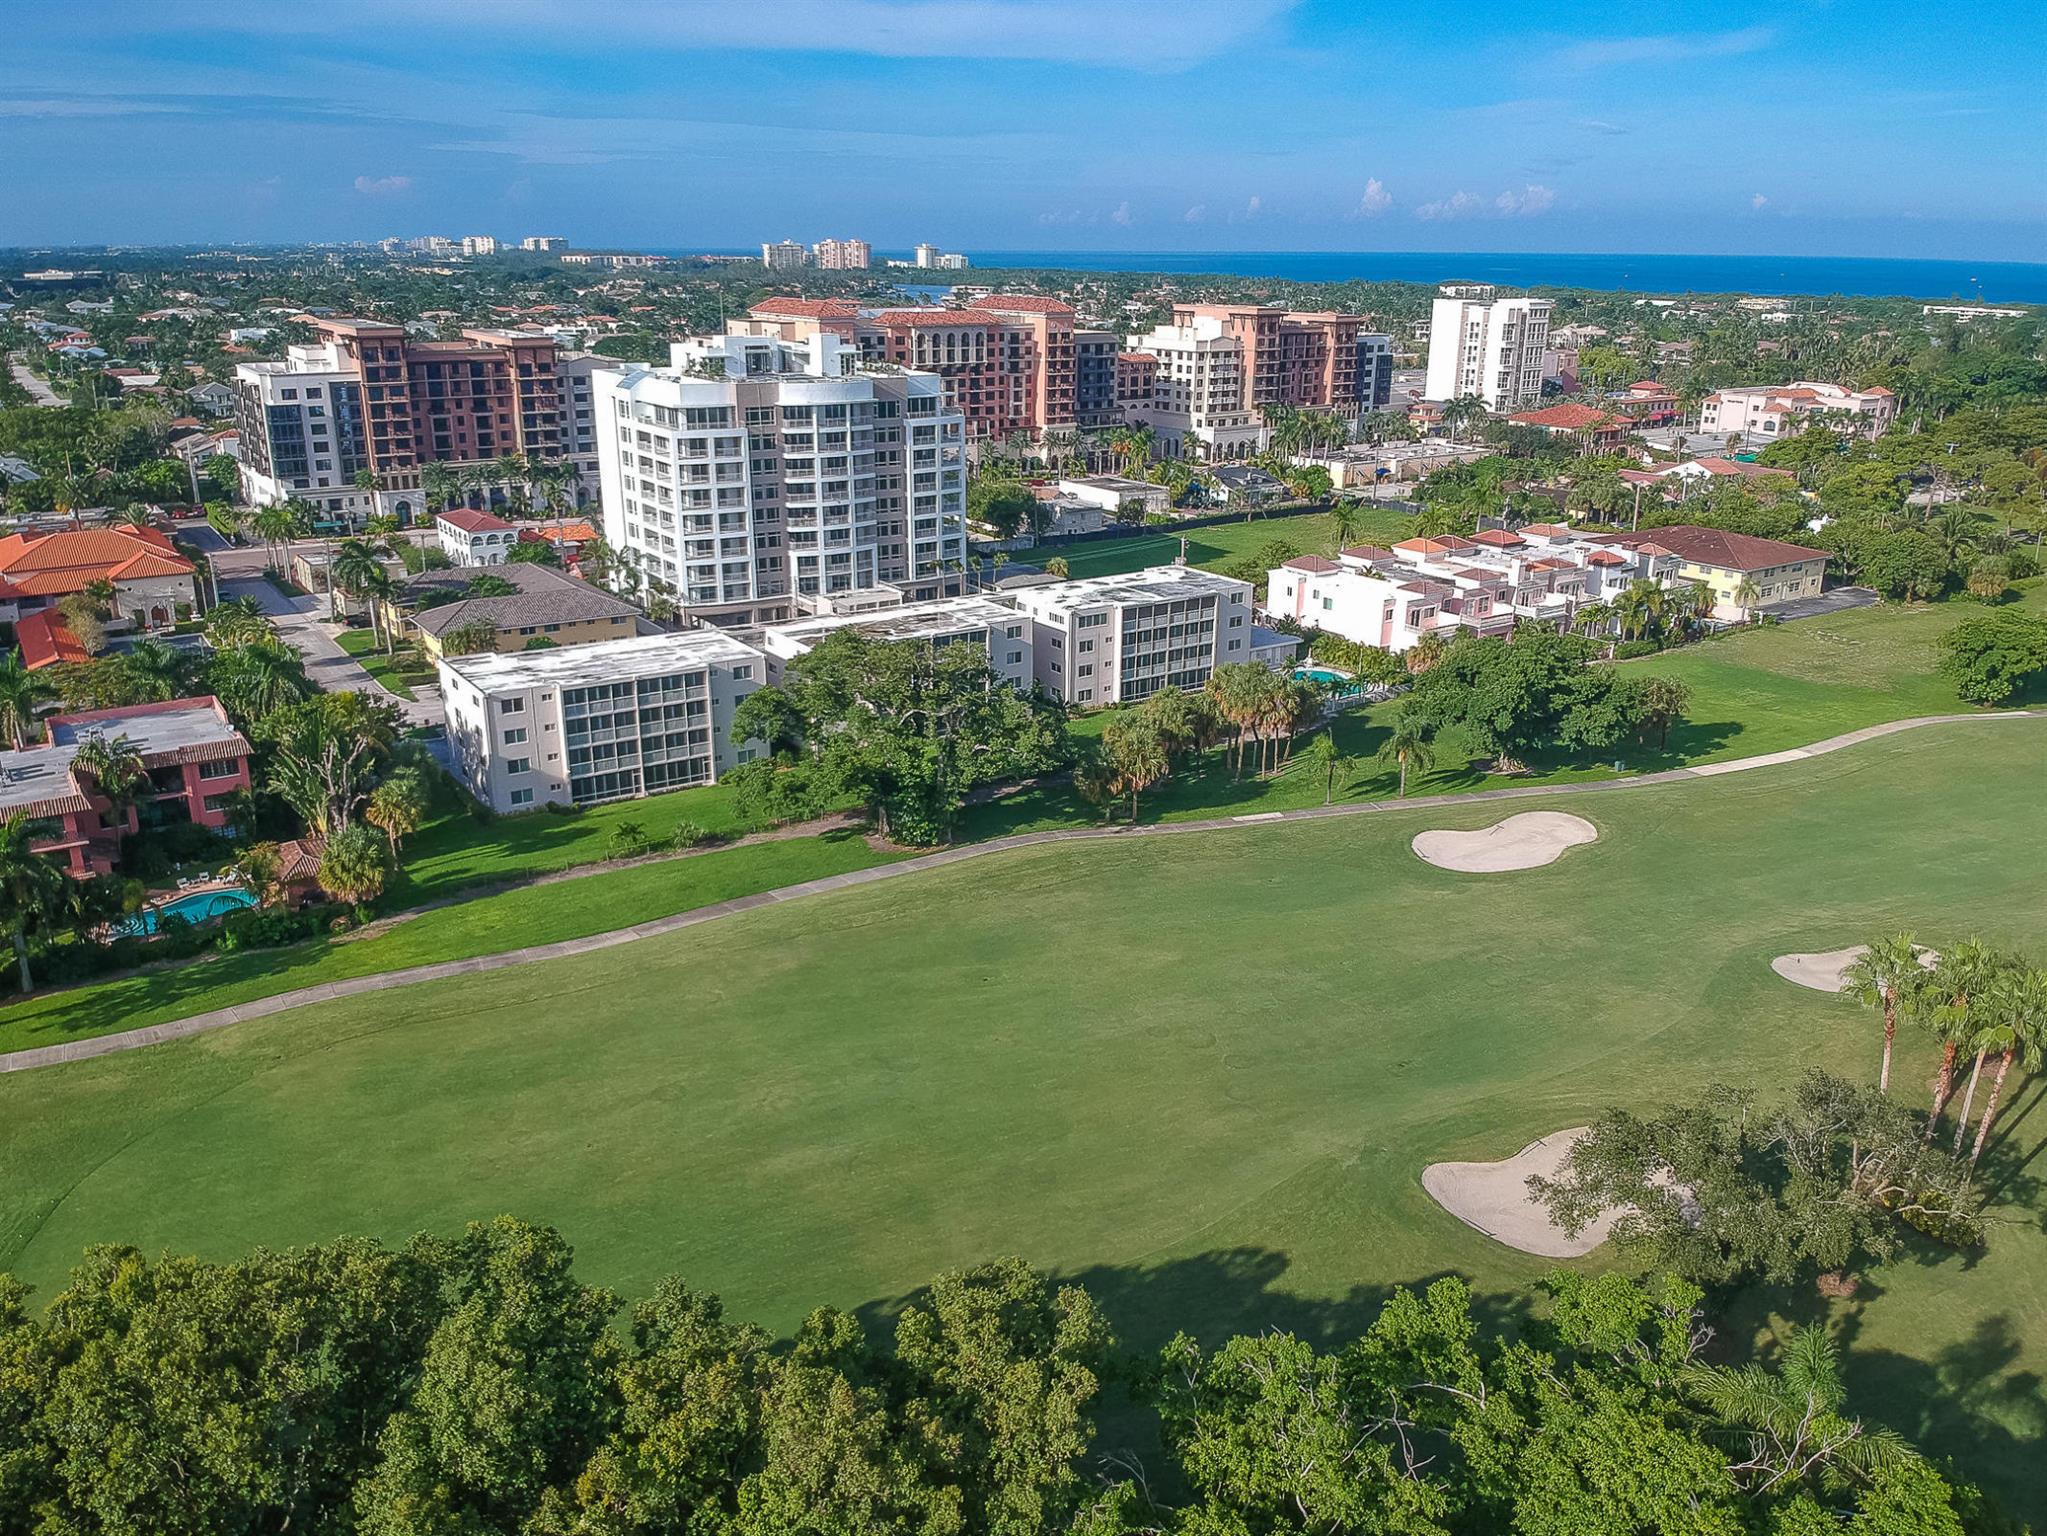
[783, 255]
[842, 255]
[543, 242]
[758, 478]
[1488, 347]
[479, 245]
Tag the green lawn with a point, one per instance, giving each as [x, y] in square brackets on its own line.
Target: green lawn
[389, 671]
[510, 920]
[1201, 1075]
[1313, 533]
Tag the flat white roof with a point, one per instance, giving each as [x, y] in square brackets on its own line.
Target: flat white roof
[608, 661]
[1158, 584]
[912, 621]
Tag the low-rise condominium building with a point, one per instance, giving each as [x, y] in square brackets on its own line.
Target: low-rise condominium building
[1784, 410]
[590, 723]
[999, 629]
[1746, 574]
[1119, 639]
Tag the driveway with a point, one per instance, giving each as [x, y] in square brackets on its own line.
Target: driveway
[303, 622]
[1840, 600]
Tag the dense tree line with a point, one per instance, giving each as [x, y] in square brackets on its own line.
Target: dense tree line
[474, 1385]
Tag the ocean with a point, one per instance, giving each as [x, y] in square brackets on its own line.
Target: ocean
[1969, 282]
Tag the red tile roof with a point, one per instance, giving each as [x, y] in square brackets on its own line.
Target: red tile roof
[45, 642]
[1605, 557]
[1718, 466]
[1728, 551]
[1449, 543]
[1569, 417]
[935, 317]
[1314, 565]
[1545, 530]
[805, 309]
[1498, 538]
[576, 532]
[1025, 304]
[1367, 552]
[53, 564]
[470, 520]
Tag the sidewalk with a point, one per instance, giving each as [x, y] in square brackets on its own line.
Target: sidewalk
[282, 1002]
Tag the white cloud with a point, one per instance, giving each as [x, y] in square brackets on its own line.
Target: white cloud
[382, 186]
[1757, 202]
[1605, 52]
[1121, 214]
[1251, 208]
[1376, 199]
[1060, 216]
[1195, 214]
[1527, 203]
[1458, 205]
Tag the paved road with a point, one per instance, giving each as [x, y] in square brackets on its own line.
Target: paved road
[302, 621]
[42, 393]
[1838, 600]
[220, 1018]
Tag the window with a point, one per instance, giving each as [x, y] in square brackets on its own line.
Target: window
[522, 797]
[515, 735]
[518, 765]
[1016, 658]
[511, 706]
[742, 674]
[226, 768]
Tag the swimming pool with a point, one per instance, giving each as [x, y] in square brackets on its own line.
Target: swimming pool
[197, 907]
[1320, 675]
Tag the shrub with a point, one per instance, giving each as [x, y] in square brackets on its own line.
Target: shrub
[688, 834]
[1630, 648]
[627, 839]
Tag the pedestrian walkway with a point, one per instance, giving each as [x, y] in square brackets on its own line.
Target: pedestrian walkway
[220, 1018]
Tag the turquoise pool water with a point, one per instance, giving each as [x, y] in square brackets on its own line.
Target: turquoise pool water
[1319, 675]
[195, 908]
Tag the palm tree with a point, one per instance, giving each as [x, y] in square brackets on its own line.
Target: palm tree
[2018, 1003]
[1057, 568]
[1789, 1423]
[1640, 608]
[1346, 521]
[258, 678]
[237, 621]
[1958, 978]
[379, 592]
[1412, 744]
[439, 485]
[35, 892]
[350, 569]
[155, 670]
[275, 525]
[20, 692]
[1746, 595]
[398, 807]
[1887, 975]
[1327, 762]
[369, 482]
[114, 764]
[1426, 651]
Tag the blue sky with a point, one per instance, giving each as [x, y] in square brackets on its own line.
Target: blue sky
[1818, 127]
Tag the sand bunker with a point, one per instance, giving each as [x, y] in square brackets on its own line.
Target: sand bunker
[1827, 970]
[1527, 841]
[1494, 1198]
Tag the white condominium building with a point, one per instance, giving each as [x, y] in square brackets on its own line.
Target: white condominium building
[590, 723]
[1488, 347]
[1198, 395]
[1117, 639]
[1001, 630]
[757, 471]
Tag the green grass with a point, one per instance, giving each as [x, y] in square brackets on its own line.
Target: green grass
[1201, 1075]
[511, 920]
[1313, 533]
[390, 671]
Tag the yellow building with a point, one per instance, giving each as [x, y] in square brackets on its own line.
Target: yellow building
[1745, 573]
[547, 604]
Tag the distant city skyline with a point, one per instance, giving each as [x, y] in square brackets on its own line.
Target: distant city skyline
[1075, 125]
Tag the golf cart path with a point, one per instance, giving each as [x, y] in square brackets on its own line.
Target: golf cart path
[220, 1018]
